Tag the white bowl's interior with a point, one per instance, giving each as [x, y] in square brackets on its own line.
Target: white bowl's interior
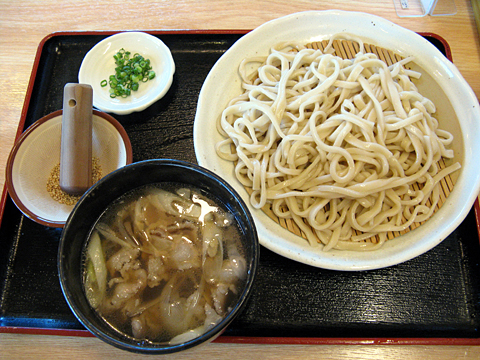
[39, 153]
[99, 64]
[445, 114]
[457, 107]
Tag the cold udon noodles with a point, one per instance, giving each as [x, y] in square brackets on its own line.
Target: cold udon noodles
[348, 149]
[164, 264]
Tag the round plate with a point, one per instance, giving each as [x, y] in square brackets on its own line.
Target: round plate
[440, 81]
[99, 64]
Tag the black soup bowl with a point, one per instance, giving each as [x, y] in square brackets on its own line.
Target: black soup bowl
[93, 204]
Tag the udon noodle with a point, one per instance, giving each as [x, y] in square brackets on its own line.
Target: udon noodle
[346, 148]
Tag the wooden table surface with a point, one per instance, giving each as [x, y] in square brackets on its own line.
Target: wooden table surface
[23, 24]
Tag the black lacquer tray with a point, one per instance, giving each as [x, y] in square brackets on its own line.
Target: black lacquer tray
[433, 298]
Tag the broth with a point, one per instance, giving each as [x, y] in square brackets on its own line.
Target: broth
[164, 264]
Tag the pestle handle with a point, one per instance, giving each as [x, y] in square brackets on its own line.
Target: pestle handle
[76, 142]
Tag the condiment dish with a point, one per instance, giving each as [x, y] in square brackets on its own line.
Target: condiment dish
[37, 152]
[99, 64]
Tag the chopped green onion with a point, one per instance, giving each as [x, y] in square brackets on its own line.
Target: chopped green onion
[128, 73]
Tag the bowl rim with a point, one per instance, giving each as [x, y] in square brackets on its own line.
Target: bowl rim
[19, 142]
[206, 337]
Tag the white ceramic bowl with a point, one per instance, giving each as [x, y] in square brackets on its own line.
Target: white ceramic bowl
[99, 64]
[457, 108]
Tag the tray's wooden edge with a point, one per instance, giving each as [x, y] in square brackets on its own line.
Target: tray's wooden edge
[269, 340]
[223, 338]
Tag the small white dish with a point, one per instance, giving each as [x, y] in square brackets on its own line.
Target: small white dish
[457, 108]
[99, 64]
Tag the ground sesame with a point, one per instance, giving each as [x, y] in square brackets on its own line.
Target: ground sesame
[53, 183]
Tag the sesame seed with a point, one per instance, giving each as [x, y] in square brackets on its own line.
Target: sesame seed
[56, 192]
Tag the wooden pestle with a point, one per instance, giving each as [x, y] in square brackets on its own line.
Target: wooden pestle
[76, 142]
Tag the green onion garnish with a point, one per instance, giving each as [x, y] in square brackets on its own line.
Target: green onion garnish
[129, 71]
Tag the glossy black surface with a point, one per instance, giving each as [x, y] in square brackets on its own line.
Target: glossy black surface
[434, 295]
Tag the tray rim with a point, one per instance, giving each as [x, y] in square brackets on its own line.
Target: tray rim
[223, 338]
